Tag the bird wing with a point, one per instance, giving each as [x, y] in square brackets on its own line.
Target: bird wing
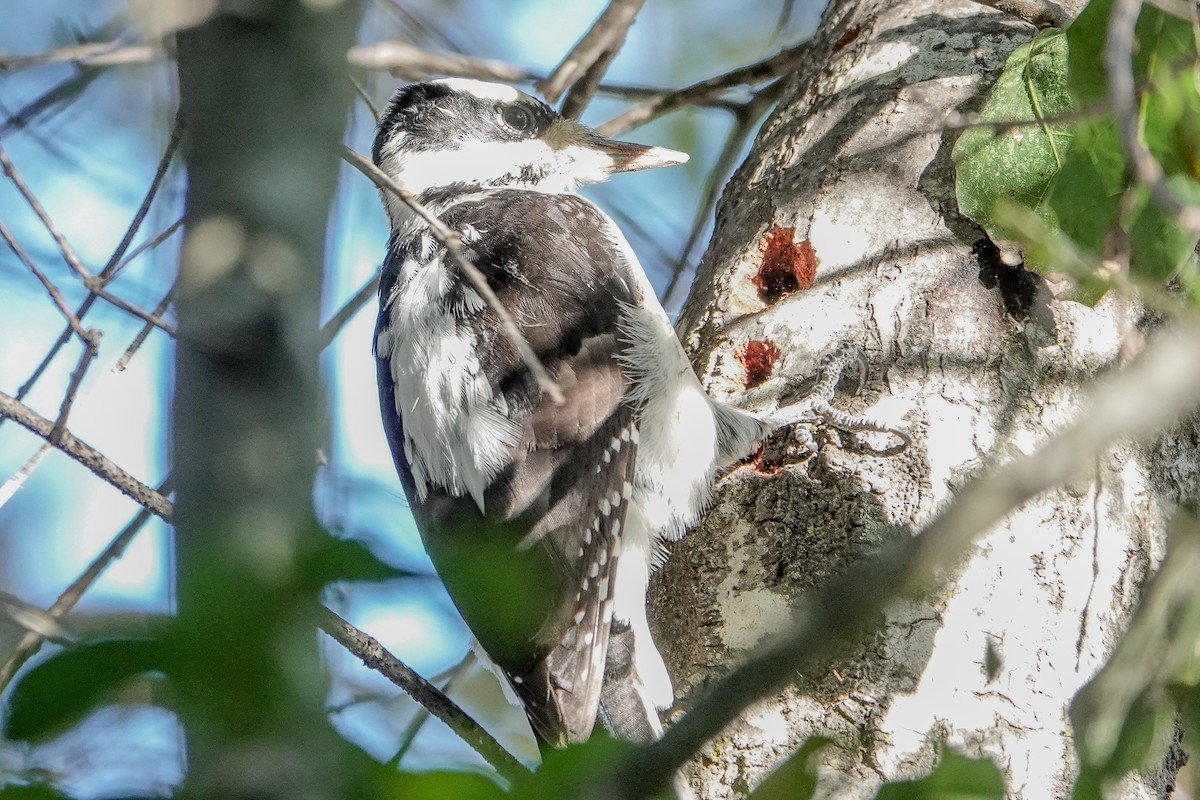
[531, 564]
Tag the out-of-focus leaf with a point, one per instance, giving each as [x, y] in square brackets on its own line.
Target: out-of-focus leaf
[69, 684]
[567, 773]
[1074, 176]
[796, 778]
[1017, 164]
[347, 560]
[1124, 717]
[1164, 42]
[956, 777]
[439, 786]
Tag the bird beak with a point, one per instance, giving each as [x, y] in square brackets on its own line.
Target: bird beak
[627, 156]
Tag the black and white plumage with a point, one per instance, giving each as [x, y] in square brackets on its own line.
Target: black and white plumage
[542, 519]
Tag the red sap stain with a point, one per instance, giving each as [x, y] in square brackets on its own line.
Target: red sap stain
[786, 266]
[758, 358]
[846, 38]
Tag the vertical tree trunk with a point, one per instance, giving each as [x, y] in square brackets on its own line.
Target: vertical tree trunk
[264, 100]
[849, 188]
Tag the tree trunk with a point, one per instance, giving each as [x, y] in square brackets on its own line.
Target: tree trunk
[849, 188]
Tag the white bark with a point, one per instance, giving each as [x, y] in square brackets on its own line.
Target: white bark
[855, 159]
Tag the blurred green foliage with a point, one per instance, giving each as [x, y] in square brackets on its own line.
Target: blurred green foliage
[1056, 178]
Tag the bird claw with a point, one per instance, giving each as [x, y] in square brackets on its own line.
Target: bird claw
[816, 406]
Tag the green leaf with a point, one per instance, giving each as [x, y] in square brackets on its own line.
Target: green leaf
[1163, 44]
[1160, 247]
[68, 685]
[1018, 163]
[796, 778]
[956, 777]
[336, 559]
[440, 786]
[569, 772]
[1124, 718]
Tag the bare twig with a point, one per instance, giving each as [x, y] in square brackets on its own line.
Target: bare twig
[116, 262]
[30, 643]
[599, 44]
[135, 310]
[351, 307]
[17, 480]
[450, 240]
[1122, 94]
[422, 716]
[68, 253]
[706, 92]
[73, 323]
[151, 243]
[93, 54]
[409, 61]
[91, 345]
[144, 333]
[1038, 13]
[1162, 384]
[744, 126]
[375, 656]
[86, 455]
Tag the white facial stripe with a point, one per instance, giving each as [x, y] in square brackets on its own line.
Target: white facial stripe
[474, 160]
[484, 89]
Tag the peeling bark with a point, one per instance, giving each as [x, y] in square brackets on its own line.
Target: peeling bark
[976, 360]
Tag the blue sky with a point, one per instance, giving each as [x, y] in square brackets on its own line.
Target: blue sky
[90, 164]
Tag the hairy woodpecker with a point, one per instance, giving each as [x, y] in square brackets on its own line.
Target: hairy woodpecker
[543, 520]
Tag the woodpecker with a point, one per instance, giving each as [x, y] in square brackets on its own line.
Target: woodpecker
[543, 519]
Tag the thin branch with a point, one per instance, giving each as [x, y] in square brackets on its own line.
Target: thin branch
[1122, 94]
[375, 656]
[93, 54]
[11, 486]
[584, 89]
[599, 44]
[86, 455]
[1038, 13]
[139, 216]
[68, 253]
[91, 346]
[706, 92]
[135, 310]
[1160, 386]
[406, 60]
[744, 126]
[144, 333]
[30, 643]
[422, 716]
[351, 307]
[451, 241]
[73, 323]
[150, 244]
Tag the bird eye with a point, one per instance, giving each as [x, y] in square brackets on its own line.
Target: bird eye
[518, 118]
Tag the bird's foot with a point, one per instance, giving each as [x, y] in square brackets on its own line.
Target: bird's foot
[816, 406]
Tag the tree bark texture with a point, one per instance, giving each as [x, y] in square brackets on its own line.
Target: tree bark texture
[849, 188]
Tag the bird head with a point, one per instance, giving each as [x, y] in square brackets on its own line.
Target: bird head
[442, 139]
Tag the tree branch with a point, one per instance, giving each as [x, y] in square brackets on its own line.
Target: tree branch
[31, 641]
[376, 656]
[1157, 388]
[86, 455]
[706, 92]
[598, 45]
[450, 240]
